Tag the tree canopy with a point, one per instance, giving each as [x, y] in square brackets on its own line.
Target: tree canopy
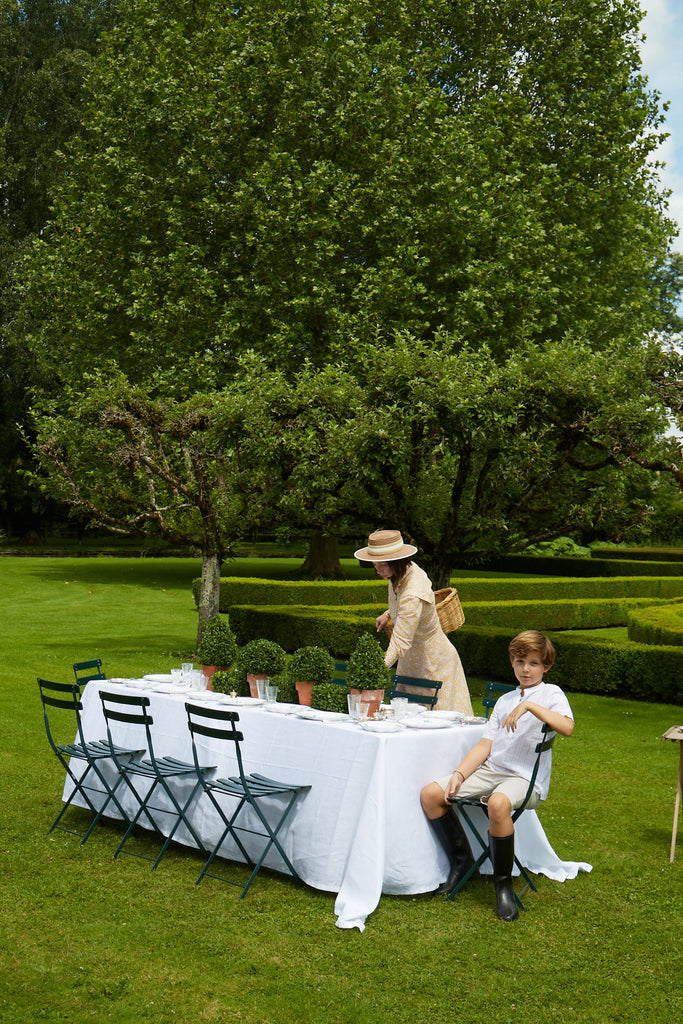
[291, 179]
[413, 255]
[46, 48]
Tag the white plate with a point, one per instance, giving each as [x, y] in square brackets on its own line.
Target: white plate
[208, 695]
[160, 678]
[242, 702]
[171, 688]
[381, 726]
[314, 715]
[474, 720]
[447, 716]
[427, 722]
[282, 709]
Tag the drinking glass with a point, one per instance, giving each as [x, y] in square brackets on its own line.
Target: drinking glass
[400, 707]
[353, 701]
[261, 686]
[187, 668]
[271, 693]
[176, 676]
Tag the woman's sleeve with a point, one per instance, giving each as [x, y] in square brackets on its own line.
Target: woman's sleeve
[405, 626]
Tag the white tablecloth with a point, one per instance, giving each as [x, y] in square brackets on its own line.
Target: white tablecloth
[359, 831]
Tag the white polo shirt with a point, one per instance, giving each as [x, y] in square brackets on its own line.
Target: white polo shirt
[514, 752]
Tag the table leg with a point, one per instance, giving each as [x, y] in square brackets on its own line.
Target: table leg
[677, 805]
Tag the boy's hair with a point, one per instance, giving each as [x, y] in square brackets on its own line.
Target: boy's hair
[532, 640]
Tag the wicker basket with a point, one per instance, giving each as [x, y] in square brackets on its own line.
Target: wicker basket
[449, 609]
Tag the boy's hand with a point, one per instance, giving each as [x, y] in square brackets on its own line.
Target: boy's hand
[510, 722]
[454, 783]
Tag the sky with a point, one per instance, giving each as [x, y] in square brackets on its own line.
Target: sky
[662, 55]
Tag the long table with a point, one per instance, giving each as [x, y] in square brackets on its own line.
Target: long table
[359, 831]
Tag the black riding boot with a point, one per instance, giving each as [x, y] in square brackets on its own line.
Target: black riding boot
[503, 857]
[451, 835]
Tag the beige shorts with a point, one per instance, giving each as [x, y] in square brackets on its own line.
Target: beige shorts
[482, 783]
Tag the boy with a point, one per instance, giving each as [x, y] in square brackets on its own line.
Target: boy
[499, 767]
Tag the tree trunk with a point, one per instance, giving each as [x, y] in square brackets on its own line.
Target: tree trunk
[322, 560]
[209, 591]
[438, 569]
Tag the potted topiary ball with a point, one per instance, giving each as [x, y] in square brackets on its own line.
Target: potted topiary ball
[330, 697]
[367, 673]
[217, 647]
[261, 659]
[286, 690]
[233, 682]
[310, 666]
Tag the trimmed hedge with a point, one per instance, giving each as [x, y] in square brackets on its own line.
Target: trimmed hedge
[338, 630]
[642, 554]
[657, 625]
[592, 613]
[245, 590]
[535, 565]
[584, 664]
[236, 590]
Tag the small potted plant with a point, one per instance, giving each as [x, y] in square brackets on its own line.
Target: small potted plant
[217, 647]
[285, 686]
[367, 672]
[233, 681]
[310, 666]
[261, 659]
[330, 697]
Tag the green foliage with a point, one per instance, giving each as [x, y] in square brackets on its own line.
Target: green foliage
[563, 547]
[235, 679]
[311, 665]
[286, 688]
[584, 664]
[366, 669]
[262, 657]
[340, 229]
[330, 697]
[661, 625]
[218, 645]
[249, 590]
[333, 629]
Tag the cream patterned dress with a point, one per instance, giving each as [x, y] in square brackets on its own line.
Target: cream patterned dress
[419, 644]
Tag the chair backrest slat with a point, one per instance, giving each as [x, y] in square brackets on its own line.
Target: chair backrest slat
[205, 721]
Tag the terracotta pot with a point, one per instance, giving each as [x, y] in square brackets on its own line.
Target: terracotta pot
[251, 679]
[373, 698]
[305, 692]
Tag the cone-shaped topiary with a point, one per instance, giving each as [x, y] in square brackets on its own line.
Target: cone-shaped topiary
[366, 669]
[218, 645]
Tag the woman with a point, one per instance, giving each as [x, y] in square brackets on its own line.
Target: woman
[418, 642]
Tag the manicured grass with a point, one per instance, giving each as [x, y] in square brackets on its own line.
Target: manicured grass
[86, 939]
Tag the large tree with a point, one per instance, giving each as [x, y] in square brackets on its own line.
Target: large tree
[300, 181]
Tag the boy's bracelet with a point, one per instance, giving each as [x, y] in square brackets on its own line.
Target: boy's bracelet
[458, 772]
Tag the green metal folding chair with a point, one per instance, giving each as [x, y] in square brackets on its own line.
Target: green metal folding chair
[428, 690]
[84, 671]
[340, 670]
[64, 698]
[157, 772]
[465, 806]
[247, 790]
[493, 692]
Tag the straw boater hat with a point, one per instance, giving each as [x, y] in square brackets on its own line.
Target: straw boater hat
[385, 546]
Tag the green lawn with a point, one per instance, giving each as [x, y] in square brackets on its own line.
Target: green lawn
[86, 939]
